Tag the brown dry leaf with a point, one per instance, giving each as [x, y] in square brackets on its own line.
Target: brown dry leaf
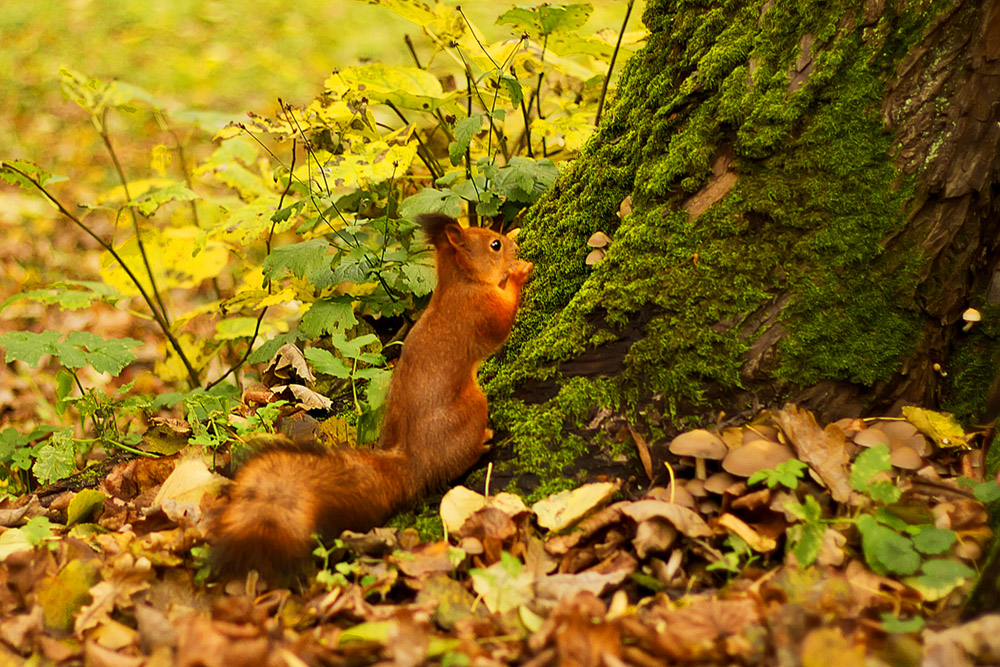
[975, 642]
[683, 519]
[19, 631]
[700, 630]
[287, 364]
[585, 642]
[754, 540]
[99, 656]
[424, 560]
[128, 576]
[642, 447]
[822, 450]
[202, 642]
[459, 504]
[562, 586]
[561, 510]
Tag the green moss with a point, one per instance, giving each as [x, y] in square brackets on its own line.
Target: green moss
[816, 195]
[972, 369]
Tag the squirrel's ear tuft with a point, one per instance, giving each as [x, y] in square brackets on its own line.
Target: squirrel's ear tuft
[434, 226]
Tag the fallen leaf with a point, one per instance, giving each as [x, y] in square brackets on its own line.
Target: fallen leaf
[683, 519]
[822, 449]
[563, 509]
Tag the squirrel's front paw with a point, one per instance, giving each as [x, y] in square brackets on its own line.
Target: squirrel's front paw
[520, 271]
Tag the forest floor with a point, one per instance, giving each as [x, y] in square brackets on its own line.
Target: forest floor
[857, 545]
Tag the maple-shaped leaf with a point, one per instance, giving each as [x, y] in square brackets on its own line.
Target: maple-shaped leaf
[546, 19]
[430, 200]
[465, 129]
[307, 260]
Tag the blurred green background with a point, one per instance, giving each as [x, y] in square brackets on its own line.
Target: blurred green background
[221, 55]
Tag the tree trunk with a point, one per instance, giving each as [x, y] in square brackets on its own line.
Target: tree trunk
[814, 204]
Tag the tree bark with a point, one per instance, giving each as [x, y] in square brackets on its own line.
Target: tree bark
[814, 203]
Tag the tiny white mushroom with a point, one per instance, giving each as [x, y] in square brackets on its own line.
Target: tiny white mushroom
[971, 316]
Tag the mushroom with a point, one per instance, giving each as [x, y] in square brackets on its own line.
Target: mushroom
[971, 316]
[598, 240]
[871, 437]
[905, 458]
[757, 455]
[594, 256]
[759, 432]
[696, 487]
[719, 482]
[700, 444]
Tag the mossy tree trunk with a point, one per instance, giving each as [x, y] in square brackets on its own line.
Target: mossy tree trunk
[814, 203]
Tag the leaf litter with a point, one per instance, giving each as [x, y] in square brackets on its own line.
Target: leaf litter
[833, 556]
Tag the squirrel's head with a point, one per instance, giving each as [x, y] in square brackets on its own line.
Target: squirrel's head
[481, 254]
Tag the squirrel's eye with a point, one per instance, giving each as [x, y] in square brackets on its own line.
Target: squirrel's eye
[495, 244]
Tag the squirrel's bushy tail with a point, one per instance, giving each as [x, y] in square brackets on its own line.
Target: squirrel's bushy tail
[286, 493]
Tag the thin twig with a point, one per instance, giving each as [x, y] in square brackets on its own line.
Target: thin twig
[611, 65]
[192, 374]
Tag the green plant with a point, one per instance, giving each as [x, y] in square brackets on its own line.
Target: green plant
[911, 548]
[301, 226]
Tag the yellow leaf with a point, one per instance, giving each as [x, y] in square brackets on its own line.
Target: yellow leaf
[940, 427]
[172, 256]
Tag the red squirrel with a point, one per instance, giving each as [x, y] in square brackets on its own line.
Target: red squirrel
[435, 426]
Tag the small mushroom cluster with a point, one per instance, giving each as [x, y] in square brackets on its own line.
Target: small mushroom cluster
[757, 448]
[907, 446]
[599, 241]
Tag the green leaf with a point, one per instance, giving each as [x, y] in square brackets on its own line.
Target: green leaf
[895, 625]
[787, 474]
[323, 361]
[328, 315]
[465, 130]
[885, 550]
[27, 346]
[69, 294]
[869, 463]
[79, 349]
[513, 88]
[56, 459]
[307, 260]
[430, 200]
[105, 356]
[546, 19]
[84, 503]
[11, 440]
[149, 201]
[932, 540]
[352, 349]
[525, 180]
[987, 492]
[404, 87]
[37, 530]
[26, 174]
[232, 328]
[939, 577]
